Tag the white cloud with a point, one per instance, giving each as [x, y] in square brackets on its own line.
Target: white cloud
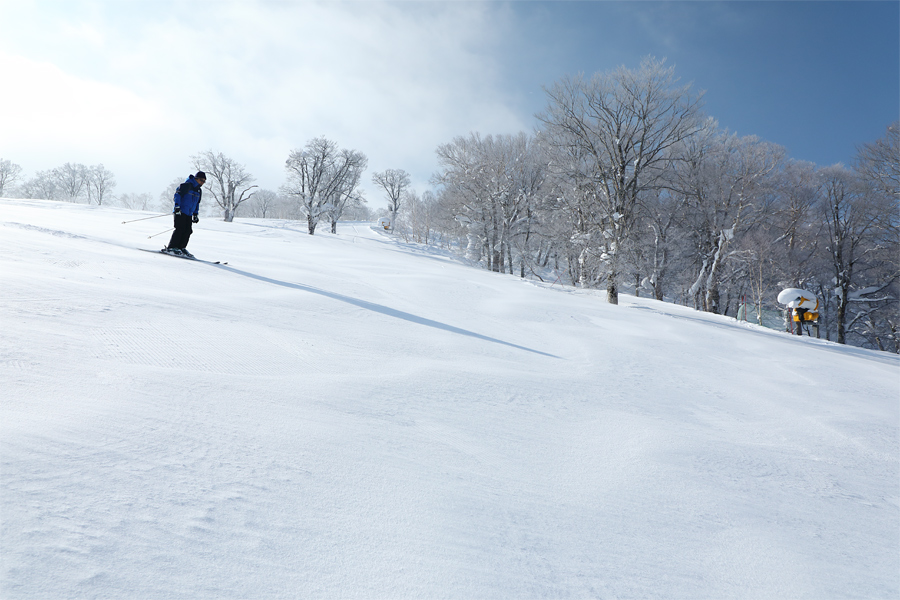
[254, 80]
[60, 108]
[49, 113]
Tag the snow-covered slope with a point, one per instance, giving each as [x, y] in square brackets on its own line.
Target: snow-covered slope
[346, 416]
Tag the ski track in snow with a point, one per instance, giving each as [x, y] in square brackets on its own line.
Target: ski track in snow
[351, 416]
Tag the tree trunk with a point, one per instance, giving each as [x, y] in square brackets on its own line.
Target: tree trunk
[311, 224]
[612, 292]
[472, 251]
[842, 315]
[711, 303]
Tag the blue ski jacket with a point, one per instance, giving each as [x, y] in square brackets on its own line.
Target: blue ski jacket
[187, 196]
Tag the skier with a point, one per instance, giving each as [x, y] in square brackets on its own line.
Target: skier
[187, 205]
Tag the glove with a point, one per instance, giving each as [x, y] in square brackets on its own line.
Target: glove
[195, 219]
[177, 211]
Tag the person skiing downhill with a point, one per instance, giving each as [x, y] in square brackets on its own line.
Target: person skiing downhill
[187, 207]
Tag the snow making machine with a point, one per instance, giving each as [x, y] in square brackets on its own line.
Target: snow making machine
[802, 311]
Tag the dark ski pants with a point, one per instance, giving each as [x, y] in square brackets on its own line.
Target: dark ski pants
[182, 233]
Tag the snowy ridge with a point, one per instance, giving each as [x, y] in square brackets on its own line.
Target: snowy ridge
[348, 416]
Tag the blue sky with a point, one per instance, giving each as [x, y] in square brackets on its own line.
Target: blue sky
[816, 77]
[141, 86]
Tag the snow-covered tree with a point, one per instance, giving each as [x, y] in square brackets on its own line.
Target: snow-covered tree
[660, 236]
[71, 181]
[620, 129]
[357, 209]
[394, 182]
[263, 204]
[316, 175]
[879, 162]
[725, 180]
[230, 182]
[878, 167]
[421, 218]
[9, 174]
[43, 186]
[344, 176]
[851, 216]
[100, 183]
[494, 185]
[142, 201]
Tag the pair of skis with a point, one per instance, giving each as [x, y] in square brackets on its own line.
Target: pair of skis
[163, 251]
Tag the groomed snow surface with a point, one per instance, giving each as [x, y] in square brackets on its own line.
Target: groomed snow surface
[349, 416]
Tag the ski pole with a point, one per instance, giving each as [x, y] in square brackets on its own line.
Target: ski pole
[161, 232]
[145, 218]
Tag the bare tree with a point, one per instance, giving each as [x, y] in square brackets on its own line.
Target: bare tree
[878, 166]
[9, 174]
[308, 178]
[494, 184]
[394, 182]
[850, 218]
[43, 185]
[262, 204]
[230, 185]
[624, 126]
[71, 180]
[167, 196]
[357, 209]
[343, 184]
[658, 237]
[100, 183]
[879, 161]
[727, 180]
[466, 193]
[136, 201]
[795, 221]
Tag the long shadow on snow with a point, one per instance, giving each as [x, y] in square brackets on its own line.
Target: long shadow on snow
[391, 312]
